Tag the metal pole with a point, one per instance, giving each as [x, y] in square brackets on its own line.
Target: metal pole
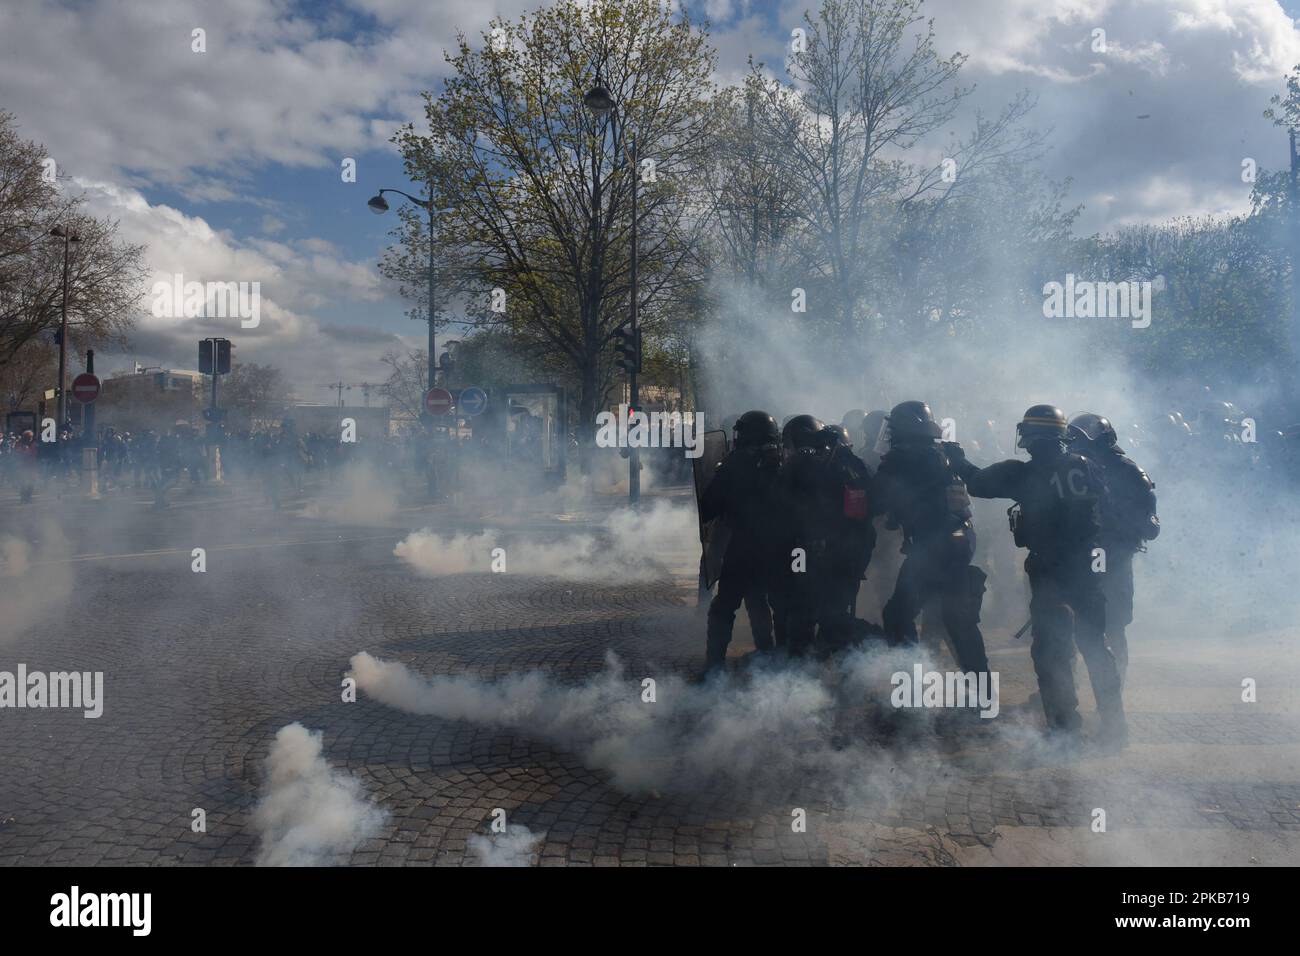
[1293, 200]
[213, 421]
[433, 353]
[89, 415]
[634, 459]
[433, 357]
[63, 340]
[89, 440]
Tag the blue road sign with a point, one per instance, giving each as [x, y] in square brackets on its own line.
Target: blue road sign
[473, 401]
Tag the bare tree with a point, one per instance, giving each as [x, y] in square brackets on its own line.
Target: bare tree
[105, 275]
[866, 85]
[407, 381]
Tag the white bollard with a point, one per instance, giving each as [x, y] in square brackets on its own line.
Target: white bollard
[90, 473]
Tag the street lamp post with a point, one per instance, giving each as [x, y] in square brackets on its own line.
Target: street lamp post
[379, 205]
[58, 232]
[601, 102]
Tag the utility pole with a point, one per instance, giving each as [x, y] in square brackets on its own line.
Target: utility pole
[339, 387]
[58, 232]
[1293, 202]
[634, 459]
[89, 439]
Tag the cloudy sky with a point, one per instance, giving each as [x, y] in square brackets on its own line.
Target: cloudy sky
[226, 164]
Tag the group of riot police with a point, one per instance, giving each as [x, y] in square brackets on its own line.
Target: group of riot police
[794, 512]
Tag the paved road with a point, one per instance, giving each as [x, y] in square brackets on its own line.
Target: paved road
[201, 670]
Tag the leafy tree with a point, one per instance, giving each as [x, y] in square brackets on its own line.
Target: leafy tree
[537, 189]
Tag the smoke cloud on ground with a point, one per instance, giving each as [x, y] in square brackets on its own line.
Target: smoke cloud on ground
[35, 576]
[782, 727]
[360, 495]
[309, 814]
[518, 846]
[629, 544]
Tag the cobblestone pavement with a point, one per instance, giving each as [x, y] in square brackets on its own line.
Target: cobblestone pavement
[201, 670]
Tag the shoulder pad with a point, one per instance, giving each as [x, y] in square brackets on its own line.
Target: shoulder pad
[1134, 467]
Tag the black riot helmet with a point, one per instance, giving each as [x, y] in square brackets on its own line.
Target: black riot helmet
[853, 420]
[912, 422]
[1092, 428]
[802, 431]
[756, 428]
[1041, 423]
[836, 435]
[873, 430]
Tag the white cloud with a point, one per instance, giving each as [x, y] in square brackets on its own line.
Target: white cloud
[114, 86]
[1201, 71]
[297, 276]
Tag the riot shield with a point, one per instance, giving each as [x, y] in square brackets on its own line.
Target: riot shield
[715, 534]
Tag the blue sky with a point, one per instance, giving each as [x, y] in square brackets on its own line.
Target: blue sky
[226, 164]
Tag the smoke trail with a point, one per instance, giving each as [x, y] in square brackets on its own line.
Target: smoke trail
[309, 814]
[516, 847]
[777, 729]
[628, 544]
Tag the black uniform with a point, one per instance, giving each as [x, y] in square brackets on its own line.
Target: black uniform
[742, 492]
[1059, 496]
[919, 489]
[851, 541]
[1127, 520]
[808, 513]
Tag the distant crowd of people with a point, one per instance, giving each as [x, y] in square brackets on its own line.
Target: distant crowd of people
[277, 457]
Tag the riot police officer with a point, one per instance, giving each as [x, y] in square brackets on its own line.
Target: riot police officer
[853, 422]
[1128, 521]
[808, 512]
[1059, 496]
[918, 488]
[852, 535]
[742, 493]
[875, 429]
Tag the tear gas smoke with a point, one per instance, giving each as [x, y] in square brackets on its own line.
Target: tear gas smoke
[366, 498]
[516, 847]
[777, 730]
[1225, 556]
[629, 543]
[309, 814]
[15, 556]
[36, 574]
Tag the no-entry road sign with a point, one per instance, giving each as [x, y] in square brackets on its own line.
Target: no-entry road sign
[85, 388]
[437, 401]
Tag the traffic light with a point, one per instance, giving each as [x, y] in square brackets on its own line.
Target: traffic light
[222, 356]
[627, 349]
